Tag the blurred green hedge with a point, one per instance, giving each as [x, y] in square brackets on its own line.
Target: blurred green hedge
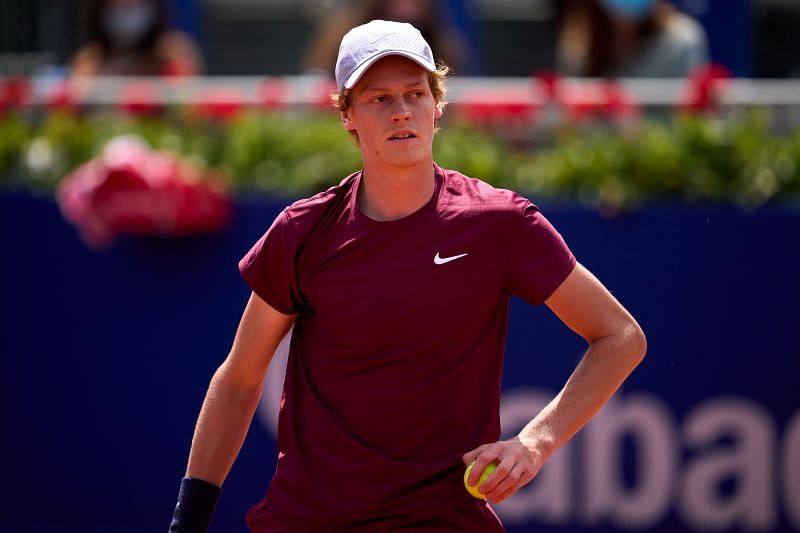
[693, 158]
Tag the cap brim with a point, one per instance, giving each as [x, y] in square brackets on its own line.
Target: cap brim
[362, 68]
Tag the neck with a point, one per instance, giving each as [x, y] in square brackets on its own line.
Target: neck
[392, 194]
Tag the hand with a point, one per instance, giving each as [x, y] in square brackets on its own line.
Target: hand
[517, 465]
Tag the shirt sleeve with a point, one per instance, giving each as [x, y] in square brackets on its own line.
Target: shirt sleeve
[538, 259]
[269, 267]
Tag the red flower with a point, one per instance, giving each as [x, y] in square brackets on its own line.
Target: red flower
[130, 189]
[497, 105]
[548, 83]
[221, 104]
[60, 96]
[15, 91]
[140, 98]
[272, 93]
[618, 102]
[703, 88]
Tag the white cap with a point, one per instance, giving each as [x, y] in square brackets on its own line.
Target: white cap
[364, 45]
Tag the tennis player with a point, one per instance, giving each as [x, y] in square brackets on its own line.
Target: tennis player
[397, 283]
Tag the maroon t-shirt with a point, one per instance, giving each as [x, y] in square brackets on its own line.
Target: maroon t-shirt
[396, 358]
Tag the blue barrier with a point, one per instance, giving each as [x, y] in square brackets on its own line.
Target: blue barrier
[105, 358]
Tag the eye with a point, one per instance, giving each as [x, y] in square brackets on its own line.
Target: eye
[379, 99]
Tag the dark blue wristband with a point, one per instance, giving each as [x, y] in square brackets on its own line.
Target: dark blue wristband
[196, 502]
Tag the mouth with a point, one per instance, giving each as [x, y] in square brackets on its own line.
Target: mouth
[402, 136]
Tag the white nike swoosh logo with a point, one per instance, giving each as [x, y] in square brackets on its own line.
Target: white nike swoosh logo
[442, 260]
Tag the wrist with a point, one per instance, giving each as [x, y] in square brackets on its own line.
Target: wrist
[197, 500]
[540, 444]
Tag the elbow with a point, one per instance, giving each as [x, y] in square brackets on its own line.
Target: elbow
[239, 384]
[636, 342]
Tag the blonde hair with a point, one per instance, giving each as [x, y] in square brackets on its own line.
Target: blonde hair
[436, 80]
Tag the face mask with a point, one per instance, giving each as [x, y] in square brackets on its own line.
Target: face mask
[126, 25]
[630, 9]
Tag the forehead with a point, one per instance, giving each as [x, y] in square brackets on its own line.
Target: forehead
[392, 71]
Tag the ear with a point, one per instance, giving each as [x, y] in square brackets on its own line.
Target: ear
[437, 114]
[347, 120]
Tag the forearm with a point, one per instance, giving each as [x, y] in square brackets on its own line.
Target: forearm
[616, 345]
[603, 368]
[221, 428]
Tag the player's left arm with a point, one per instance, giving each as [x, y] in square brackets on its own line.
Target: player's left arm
[616, 346]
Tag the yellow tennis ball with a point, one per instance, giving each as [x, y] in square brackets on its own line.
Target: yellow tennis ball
[473, 489]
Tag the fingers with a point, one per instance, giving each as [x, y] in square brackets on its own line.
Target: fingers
[484, 459]
[515, 467]
[507, 478]
[473, 455]
[502, 497]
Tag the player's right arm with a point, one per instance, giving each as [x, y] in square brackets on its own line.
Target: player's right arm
[234, 392]
[228, 409]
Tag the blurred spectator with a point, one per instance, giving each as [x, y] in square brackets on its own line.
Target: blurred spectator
[132, 38]
[628, 39]
[430, 17]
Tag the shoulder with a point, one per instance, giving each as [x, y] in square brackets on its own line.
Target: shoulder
[295, 224]
[463, 193]
[674, 51]
[307, 212]
[684, 32]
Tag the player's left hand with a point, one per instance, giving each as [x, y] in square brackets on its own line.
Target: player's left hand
[517, 465]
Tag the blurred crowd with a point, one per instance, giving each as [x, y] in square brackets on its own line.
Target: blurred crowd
[134, 38]
[591, 38]
[628, 39]
[597, 38]
[428, 16]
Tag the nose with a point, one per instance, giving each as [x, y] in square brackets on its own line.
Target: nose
[401, 113]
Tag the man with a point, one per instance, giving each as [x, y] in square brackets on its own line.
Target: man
[397, 284]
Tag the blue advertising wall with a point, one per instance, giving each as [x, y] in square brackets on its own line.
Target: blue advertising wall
[105, 358]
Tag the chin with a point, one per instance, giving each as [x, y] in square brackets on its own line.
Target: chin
[406, 158]
[405, 161]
